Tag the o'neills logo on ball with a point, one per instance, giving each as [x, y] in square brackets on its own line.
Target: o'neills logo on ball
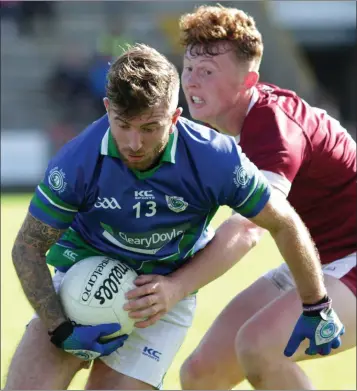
[110, 286]
[93, 278]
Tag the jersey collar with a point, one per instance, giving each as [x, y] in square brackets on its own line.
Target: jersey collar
[109, 148]
[169, 154]
[253, 100]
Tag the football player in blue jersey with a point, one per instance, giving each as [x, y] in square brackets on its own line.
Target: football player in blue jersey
[141, 185]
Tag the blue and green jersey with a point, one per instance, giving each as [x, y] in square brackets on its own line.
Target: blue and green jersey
[153, 220]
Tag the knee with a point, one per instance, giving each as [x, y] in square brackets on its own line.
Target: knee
[252, 354]
[192, 372]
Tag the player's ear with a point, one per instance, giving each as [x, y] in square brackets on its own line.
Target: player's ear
[251, 79]
[106, 103]
[176, 115]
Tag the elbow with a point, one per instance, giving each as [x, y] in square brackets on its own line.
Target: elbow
[15, 255]
[239, 231]
[253, 240]
[253, 235]
[250, 232]
[20, 252]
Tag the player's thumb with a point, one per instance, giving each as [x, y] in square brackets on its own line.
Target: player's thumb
[293, 344]
[107, 329]
[336, 343]
[111, 346]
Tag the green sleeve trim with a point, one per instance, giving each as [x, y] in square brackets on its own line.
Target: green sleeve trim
[54, 200]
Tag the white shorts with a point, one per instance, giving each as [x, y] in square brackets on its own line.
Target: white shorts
[148, 353]
[283, 279]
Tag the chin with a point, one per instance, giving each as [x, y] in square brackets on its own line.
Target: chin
[198, 115]
[134, 166]
[203, 117]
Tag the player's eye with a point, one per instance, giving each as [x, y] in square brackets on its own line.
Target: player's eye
[148, 130]
[188, 69]
[207, 72]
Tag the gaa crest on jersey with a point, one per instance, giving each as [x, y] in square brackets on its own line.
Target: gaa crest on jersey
[176, 204]
[107, 203]
[56, 180]
[241, 176]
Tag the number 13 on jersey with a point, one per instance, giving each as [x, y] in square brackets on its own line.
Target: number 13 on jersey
[148, 209]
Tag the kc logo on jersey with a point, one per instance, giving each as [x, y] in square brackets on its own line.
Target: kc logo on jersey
[106, 203]
[144, 195]
[70, 255]
[176, 204]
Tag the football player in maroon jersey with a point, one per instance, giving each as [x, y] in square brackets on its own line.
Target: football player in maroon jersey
[309, 158]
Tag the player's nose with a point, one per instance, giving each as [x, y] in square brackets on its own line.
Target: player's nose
[135, 141]
[192, 81]
[189, 80]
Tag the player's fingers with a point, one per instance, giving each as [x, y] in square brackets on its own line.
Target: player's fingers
[325, 350]
[143, 279]
[146, 312]
[150, 321]
[336, 343]
[293, 343]
[312, 350]
[140, 291]
[141, 303]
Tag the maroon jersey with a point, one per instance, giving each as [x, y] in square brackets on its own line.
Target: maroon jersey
[302, 147]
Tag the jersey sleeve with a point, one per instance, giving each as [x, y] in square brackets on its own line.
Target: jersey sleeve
[58, 197]
[276, 144]
[247, 190]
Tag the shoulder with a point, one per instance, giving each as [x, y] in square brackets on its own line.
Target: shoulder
[278, 120]
[275, 135]
[281, 112]
[202, 139]
[85, 148]
[77, 161]
[215, 156]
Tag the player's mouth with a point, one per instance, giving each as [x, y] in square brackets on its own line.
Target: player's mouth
[197, 101]
[135, 158]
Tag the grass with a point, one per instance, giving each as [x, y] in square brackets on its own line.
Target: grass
[336, 372]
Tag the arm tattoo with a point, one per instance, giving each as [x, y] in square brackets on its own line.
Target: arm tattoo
[29, 257]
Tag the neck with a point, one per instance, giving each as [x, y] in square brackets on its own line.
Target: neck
[231, 121]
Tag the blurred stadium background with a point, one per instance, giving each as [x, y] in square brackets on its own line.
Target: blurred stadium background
[54, 58]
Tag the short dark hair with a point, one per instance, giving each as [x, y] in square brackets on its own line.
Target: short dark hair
[140, 79]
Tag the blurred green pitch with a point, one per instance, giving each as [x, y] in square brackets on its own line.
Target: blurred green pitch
[338, 372]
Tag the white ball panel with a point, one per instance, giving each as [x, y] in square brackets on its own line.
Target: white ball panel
[93, 292]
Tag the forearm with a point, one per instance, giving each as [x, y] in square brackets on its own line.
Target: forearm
[36, 282]
[234, 238]
[299, 252]
[28, 254]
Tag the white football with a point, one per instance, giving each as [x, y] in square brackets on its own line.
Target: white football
[93, 292]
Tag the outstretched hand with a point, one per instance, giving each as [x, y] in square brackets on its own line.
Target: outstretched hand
[153, 297]
[323, 331]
